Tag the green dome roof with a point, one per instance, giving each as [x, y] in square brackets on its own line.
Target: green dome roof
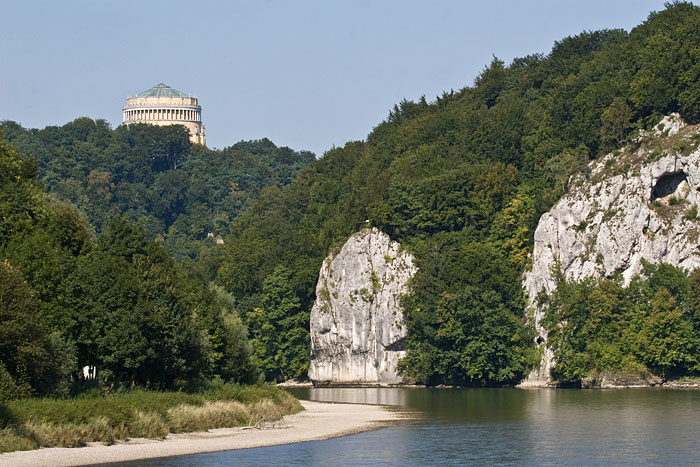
[162, 90]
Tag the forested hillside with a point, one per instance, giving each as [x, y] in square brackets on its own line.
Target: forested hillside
[118, 302]
[178, 191]
[461, 182]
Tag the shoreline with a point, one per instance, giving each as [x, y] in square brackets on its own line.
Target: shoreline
[319, 421]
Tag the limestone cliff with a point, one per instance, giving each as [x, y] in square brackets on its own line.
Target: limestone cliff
[357, 327]
[637, 204]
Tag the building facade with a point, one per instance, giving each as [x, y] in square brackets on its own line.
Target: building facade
[163, 105]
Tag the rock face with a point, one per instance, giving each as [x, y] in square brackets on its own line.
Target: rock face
[357, 327]
[637, 204]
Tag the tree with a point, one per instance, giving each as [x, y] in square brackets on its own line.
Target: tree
[21, 201]
[279, 329]
[32, 361]
[666, 336]
[615, 121]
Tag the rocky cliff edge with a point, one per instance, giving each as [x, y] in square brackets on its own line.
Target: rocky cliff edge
[640, 203]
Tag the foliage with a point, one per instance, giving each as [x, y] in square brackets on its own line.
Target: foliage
[180, 192]
[648, 327]
[32, 361]
[141, 319]
[120, 303]
[279, 328]
[461, 183]
[462, 327]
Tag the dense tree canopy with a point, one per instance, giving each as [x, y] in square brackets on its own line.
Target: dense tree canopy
[119, 302]
[462, 181]
[179, 191]
[598, 327]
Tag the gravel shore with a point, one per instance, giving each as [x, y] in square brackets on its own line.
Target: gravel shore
[319, 421]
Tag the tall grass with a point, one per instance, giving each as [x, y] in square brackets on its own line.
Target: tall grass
[32, 423]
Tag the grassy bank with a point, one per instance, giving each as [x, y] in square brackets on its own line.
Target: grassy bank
[33, 423]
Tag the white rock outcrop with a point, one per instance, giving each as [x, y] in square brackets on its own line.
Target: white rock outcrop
[637, 204]
[357, 327]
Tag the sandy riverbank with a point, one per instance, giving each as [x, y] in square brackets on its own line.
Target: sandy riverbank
[319, 421]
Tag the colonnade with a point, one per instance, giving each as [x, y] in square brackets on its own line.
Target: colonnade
[140, 115]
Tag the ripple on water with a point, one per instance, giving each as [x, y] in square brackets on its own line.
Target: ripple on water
[496, 426]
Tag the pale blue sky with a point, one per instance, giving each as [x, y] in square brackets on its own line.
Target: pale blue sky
[308, 74]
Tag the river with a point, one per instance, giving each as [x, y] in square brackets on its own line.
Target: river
[496, 426]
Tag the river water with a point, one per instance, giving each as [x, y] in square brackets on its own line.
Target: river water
[496, 426]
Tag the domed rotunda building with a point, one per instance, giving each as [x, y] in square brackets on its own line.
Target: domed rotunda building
[163, 105]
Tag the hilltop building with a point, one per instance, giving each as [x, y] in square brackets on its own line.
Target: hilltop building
[163, 105]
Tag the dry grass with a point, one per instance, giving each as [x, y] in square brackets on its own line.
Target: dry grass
[70, 435]
[149, 425]
[216, 414]
[113, 418]
[10, 440]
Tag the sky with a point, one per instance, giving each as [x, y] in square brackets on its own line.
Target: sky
[308, 74]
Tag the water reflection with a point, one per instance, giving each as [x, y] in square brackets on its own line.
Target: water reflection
[374, 396]
[445, 404]
[496, 426]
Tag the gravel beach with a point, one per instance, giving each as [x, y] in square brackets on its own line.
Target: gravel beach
[319, 421]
